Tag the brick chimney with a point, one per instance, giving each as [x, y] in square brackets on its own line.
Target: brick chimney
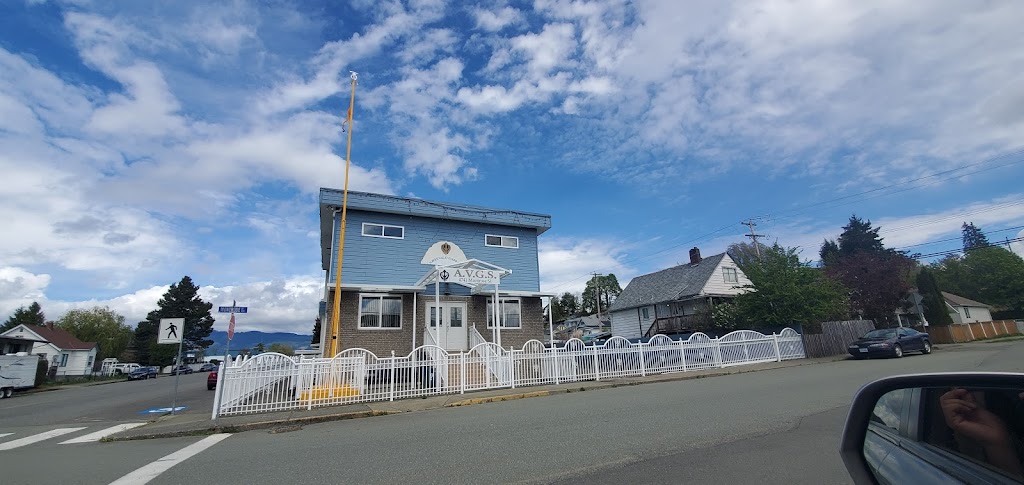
[694, 255]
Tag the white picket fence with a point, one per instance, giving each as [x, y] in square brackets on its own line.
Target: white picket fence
[275, 382]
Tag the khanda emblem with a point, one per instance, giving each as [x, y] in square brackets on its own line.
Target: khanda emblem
[444, 275]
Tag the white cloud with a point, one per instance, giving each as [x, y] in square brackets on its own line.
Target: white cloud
[566, 263]
[493, 21]
[280, 305]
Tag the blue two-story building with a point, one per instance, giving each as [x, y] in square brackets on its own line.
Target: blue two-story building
[409, 261]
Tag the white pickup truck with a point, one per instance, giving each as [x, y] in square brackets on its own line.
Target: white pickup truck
[17, 372]
[111, 367]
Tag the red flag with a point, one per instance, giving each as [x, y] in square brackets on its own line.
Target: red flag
[231, 327]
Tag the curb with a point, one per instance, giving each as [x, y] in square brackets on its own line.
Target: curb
[296, 423]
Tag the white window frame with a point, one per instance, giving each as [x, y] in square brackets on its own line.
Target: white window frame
[501, 243]
[63, 359]
[644, 311]
[502, 303]
[967, 312]
[380, 311]
[727, 270]
[383, 229]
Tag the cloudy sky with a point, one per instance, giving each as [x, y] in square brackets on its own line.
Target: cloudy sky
[143, 141]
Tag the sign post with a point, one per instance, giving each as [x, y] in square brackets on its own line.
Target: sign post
[171, 332]
[234, 308]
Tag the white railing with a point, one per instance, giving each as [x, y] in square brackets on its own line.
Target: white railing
[274, 382]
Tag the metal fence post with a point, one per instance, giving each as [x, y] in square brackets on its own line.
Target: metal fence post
[718, 353]
[778, 353]
[555, 368]
[512, 366]
[643, 364]
[462, 372]
[312, 384]
[597, 372]
[392, 373]
[682, 353]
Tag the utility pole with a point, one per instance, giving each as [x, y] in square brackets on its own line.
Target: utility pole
[597, 295]
[753, 236]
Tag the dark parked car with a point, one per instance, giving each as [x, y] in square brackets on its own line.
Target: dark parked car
[207, 368]
[211, 381]
[890, 342]
[142, 373]
[184, 369]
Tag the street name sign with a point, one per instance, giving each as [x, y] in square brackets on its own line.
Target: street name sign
[233, 309]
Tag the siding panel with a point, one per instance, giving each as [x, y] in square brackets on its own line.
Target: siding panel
[716, 284]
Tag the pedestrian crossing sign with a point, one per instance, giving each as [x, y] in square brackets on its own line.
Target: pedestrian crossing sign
[171, 330]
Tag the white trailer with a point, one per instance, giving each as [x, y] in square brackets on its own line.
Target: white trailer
[17, 372]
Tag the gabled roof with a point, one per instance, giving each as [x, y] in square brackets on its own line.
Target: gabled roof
[59, 337]
[957, 300]
[670, 284]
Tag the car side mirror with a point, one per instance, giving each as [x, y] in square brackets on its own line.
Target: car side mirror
[937, 428]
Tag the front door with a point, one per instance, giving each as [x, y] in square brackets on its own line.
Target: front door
[453, 321]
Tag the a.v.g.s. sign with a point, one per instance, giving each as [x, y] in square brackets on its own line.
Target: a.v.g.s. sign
[470, 277]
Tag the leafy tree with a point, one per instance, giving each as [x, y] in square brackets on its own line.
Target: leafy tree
[562, 307]
[101, 325]
[785, 292]
[745, 253]
[33, 315]
[935, 310]
[878, 282]
[316, 331]
[973, 237]
[991, 275]
[607, 289]
[182, 301]
[281, 348]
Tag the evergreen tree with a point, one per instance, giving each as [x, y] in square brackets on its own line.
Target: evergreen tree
[33, 315]
[316, 331]
[858, 235]
[182, 301]
[829, 253]
[973, 237]
[143, 340]
[935, 310]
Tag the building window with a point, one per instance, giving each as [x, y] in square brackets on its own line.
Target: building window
[91, 360]
[501, 241]
[380, 311]
[510, 313]
[967, 312]
[383, 230]
[645, 313]
[730, 275]
[63, 360]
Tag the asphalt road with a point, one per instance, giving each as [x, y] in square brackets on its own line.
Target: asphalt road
[115, 402]
[774, 426]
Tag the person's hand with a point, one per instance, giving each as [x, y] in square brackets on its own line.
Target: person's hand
[965, 416]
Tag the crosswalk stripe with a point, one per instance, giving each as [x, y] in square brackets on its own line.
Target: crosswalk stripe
[5, 434]
[28, 440]
[102, 433]
[146, 473]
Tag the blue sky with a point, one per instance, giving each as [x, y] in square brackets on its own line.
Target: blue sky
[142, 141]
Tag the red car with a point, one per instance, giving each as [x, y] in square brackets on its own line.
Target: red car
[211, 380]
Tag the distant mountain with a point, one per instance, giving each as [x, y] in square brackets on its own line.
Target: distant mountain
[248, 340]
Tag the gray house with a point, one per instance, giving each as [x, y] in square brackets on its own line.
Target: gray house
[677, 298]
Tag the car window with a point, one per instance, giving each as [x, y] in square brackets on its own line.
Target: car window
[911, 332]
[888, 411]
[983, 426]
[883, 333]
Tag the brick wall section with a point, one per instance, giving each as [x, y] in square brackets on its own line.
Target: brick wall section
[382, 341]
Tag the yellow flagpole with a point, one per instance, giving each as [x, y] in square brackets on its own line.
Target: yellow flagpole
[335, 315]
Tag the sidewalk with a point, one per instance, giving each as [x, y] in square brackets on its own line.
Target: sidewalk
[281, 421]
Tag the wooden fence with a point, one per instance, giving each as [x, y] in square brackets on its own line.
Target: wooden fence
[959, 333]
[835, 337]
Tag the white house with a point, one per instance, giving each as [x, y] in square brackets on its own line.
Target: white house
[70, 356]
[965, 310]
[676, 298]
